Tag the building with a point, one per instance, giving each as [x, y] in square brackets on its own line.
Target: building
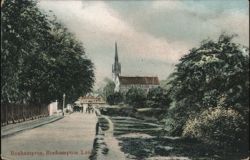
[91, 99]
[116, 70]
[53, 108]
[124, 83]
[116, 67]
[144, 83]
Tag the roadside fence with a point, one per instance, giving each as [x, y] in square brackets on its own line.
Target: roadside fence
[16, 113]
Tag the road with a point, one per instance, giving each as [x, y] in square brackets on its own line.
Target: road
[69, 138]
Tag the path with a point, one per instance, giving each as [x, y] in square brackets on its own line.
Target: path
[19, 127]
[69, 138]
[107, 137]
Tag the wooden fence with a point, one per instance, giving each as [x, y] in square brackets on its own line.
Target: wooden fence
[15, 113]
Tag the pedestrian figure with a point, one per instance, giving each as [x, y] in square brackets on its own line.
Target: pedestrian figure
[92, 109]
[87, 109]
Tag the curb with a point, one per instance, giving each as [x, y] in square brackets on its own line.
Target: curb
[5, 158]
[31, 127]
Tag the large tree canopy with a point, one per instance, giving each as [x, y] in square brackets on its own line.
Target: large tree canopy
[40, 59]
[215, 74]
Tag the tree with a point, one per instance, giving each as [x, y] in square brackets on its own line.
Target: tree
[23, 29]
[158, 97]
[40, 59]
[68, 69]
[136, 97]
[109, 88]
[215, 74]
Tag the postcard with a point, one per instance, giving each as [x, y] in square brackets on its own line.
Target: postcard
[124, 80]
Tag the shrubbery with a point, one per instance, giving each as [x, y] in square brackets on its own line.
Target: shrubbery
[219, 127]
[136, 97]
[158, 97]
[115, 98]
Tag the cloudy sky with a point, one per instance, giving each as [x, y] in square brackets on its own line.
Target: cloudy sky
[151, 35]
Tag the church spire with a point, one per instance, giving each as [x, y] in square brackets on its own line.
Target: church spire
[116, 68]
[116, 53]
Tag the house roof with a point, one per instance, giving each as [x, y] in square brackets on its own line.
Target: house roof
[90, 97]
[139, 80]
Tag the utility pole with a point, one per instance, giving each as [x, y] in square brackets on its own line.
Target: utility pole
[63, 104]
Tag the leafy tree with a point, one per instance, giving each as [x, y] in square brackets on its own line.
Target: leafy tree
[215, 74]
[109, 88]
[40, 59]
[158, 97]
[23, 29]
[136, 97]
[69, 71]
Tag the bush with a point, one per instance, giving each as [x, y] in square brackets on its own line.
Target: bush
[115, 98]
[218, 126]
[158, 97]
[176, 117]
[136, 97]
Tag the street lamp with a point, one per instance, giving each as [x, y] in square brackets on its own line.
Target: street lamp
[63, 103]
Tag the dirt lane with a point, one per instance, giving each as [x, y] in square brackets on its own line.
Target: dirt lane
[69, 138]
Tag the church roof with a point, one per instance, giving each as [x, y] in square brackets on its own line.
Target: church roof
[139, 80]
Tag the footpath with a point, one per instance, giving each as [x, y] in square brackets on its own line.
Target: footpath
[12, 129]
[68, 138]
[106, 146]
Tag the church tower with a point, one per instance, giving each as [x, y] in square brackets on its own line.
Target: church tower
[116, 67]
[116, 70]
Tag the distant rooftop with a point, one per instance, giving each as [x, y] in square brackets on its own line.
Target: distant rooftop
[125, 80]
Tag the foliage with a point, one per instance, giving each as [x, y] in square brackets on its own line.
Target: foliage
[115, 98]
[218, 126]
[215, 74]
[136, 97]
[108, 89]
[158, 97]
[165, 83]
[40, 59]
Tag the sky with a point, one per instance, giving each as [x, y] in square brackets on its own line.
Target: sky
[151, 35]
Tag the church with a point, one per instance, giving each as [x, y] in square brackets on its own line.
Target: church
[124, 83]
